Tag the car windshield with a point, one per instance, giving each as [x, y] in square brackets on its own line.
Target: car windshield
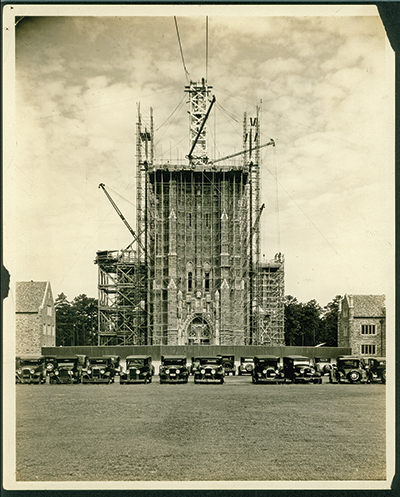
[322, 359]
[348, 363]
[66, 362]
[31, 362]
[209, 361]
[173, 362]
[135, 362]
[98, 362]
[268, 362]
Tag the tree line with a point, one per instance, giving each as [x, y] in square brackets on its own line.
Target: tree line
[76, 321]
[306, 324]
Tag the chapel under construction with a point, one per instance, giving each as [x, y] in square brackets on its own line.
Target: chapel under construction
[193, 273]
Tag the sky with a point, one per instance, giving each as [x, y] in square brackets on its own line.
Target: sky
[321, 81]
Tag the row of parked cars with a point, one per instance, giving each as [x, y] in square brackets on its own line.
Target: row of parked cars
[205, 369]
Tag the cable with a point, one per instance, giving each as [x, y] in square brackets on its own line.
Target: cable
[206, 48]
[180, 47]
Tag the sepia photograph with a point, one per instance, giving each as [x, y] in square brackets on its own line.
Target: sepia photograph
[198, 247]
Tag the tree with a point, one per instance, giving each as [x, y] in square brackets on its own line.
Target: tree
[293, 312]
[329, 322]
[76, 321]
[64, 320]
[85, 320]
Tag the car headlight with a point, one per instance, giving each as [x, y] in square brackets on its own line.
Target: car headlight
[19, 371]
[32, 371]
[57, 372]
[213, 371]
[88, 371]
[264, 371]
[167, 371]
[70, 372]
[178, 371]
[302, 370]
[102, 371]
[50, 367]
[202, 371]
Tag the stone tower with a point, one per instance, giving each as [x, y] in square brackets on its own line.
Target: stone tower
[197, 233]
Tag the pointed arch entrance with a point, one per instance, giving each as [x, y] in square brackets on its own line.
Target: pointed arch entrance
[198, 332]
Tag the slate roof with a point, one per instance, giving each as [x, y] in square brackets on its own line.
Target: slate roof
[29, 295]
[369, 305]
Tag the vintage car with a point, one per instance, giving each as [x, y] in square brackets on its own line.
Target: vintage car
[376, 368]
[349, 369]
[50, 362]
[30, 369]
[267, 370]
[228, 363]
[173, 369]
[246, 365]
[115, 359]
[99, 370]
[323, 365]
[138, 369]
[195, 363]
[65, 370]
[209, 370]
[299, 369]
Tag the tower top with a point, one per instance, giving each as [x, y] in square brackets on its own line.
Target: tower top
[199, 93]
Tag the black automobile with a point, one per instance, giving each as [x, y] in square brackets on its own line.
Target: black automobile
[65, 370]
[267, 370]
[323, 365]
[209, 370]
[173, 369]
[30, 369]
[195, 363]
[299, 369]
[99, 370]
[349, 369]
[50, 362]
[139, 369]
[376, 368]
[228, 363]
[115, 359]
[246, 365]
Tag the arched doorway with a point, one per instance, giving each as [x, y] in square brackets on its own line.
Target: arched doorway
[198, 332]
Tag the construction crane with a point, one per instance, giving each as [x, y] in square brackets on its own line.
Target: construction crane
[135, 236]
[258, 216]
[271, 142]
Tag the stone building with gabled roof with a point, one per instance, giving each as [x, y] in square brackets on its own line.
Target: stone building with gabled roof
[362, 324]
[35, 317]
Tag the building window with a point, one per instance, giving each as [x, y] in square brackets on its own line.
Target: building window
[207, 219]
[190, 219]
[207, 282]
[368, 349]
[190, 282]
[49, 310]
[368, 329]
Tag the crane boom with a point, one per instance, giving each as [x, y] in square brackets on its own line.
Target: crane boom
[271, 142]
[135, 236]
[258, 216]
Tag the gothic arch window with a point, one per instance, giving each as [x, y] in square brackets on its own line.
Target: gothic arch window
[198, 332]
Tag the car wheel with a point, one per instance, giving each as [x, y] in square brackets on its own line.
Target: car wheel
[383, 376]
[354, 376]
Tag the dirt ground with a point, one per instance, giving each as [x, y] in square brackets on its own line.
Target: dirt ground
[235, 431]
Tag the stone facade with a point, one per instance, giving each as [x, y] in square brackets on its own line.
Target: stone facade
[35, 317]
[362, 325]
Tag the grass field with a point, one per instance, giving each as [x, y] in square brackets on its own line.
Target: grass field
[234, 431]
